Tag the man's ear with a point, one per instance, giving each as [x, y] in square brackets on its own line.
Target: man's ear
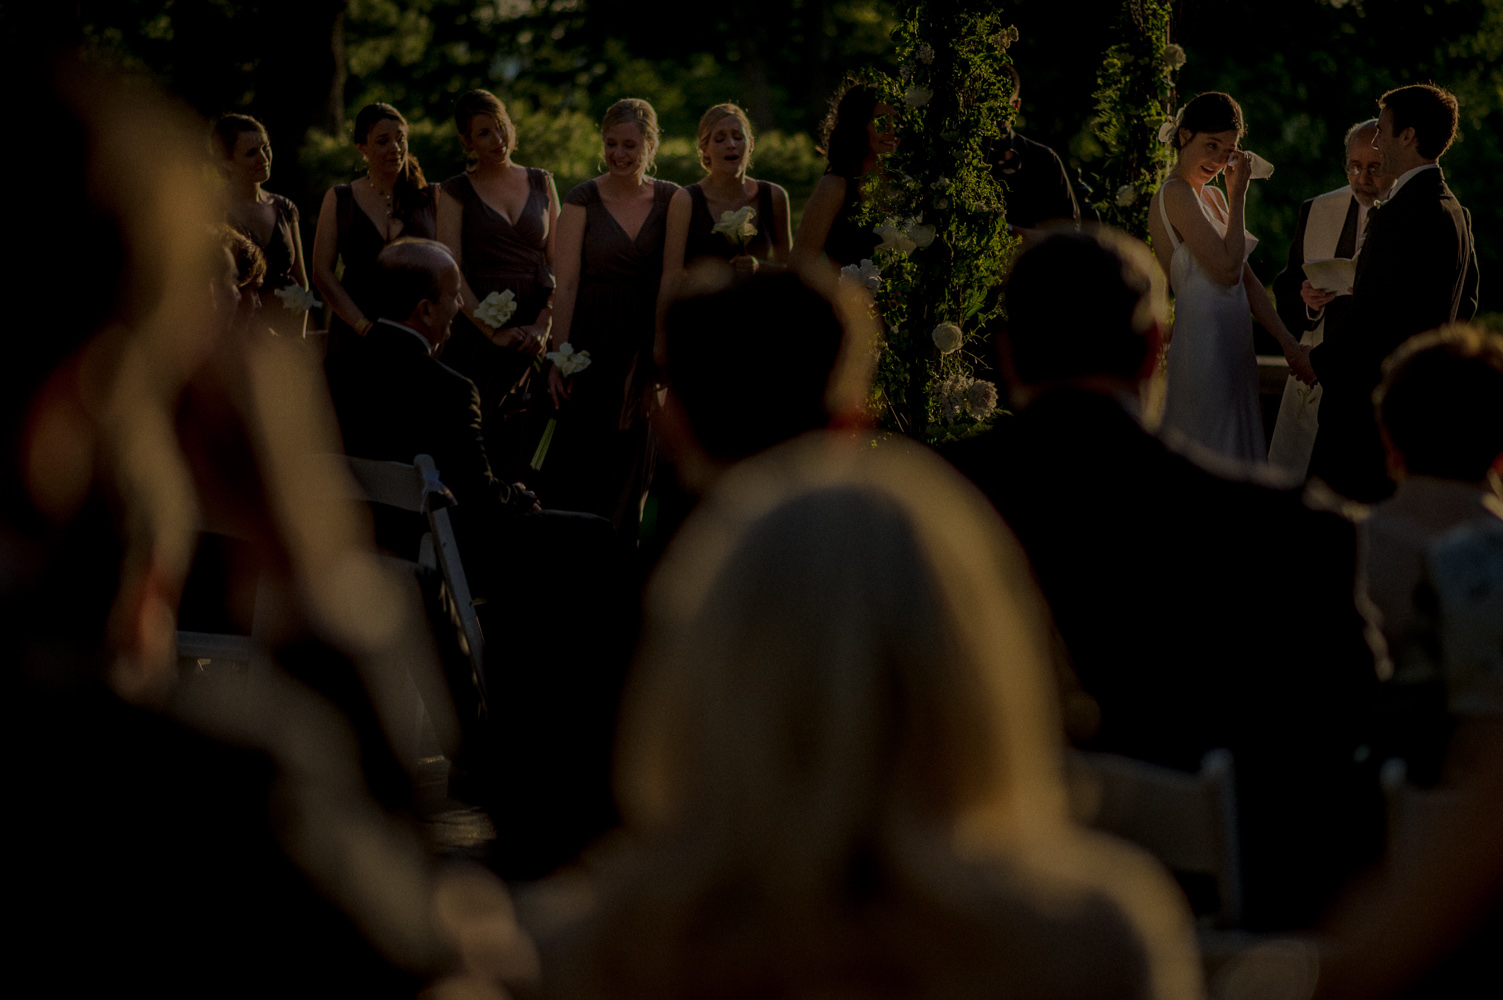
[1408, 137]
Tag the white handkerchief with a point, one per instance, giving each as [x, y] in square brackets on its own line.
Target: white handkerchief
[1258, 168]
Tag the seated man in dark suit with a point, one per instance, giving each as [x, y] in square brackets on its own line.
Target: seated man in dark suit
[1157, 572]
[554, 696]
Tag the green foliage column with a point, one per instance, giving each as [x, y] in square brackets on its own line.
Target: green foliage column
[939, 209]
[1135, 93]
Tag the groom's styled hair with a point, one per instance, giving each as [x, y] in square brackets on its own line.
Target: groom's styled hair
[1430, 110]
[1081, 304]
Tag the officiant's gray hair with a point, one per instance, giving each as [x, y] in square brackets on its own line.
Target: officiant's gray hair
[1371, 125]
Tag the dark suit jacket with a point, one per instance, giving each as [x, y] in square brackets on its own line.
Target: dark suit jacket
[1417, 271]
[1286, 286]
[394, 401]
[1038, 189]
[1190, 630]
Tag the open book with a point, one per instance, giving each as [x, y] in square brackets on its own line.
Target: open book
[1332, 274]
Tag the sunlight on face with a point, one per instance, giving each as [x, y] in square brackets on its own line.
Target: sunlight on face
[1205, 153]
[624, 149]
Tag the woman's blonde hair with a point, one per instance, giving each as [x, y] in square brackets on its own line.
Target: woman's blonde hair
[635, 111]
[714, 117]
[843, 705]
[483, 102]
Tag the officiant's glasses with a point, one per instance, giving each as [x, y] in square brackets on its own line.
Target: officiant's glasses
[1372, 170]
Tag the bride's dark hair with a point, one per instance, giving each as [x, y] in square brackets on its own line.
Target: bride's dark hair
[1210, 112]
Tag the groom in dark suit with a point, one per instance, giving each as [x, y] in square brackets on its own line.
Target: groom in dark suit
[1417, 271]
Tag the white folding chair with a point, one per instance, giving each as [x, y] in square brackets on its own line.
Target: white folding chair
[418, 489]
[1187, 821]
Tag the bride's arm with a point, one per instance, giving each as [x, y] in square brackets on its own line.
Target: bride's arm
[1221, 256]
[1264, 312]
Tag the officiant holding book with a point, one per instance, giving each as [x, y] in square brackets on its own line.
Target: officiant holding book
[1331, 228]
[1417, 271]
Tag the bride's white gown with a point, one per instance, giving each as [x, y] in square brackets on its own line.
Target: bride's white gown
[1212, 392]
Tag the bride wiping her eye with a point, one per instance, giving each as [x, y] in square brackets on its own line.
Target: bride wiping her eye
[1199, 237]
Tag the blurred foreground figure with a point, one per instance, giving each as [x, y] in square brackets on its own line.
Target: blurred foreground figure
[1431, 924]
[163, 842]
[1157, 572]
[840, 767]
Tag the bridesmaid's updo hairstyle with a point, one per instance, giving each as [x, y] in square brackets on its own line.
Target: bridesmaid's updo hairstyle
[634, 111]
[843, 133]
[715, 116]
[408, 194]
[1210, 112]
[227, 130]
[483, 102]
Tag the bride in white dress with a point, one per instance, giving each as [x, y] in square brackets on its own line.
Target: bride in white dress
[1199, 238]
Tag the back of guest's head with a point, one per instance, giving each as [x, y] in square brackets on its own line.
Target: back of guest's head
[1430, 110]
[751, 364]
[1212, 111]
[412, 270]
[1082, 304]
[842, 704]
[1441, 402]
[843, 133]
[227, 130]
[250, 261]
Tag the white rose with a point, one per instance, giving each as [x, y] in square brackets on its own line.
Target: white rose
[1126, 195]
[981, 399]
[947, 337]
[921, 236]
[917, 97]
[866, 274]
[893, 237]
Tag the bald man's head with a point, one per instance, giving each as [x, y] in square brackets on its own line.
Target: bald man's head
[419, 286]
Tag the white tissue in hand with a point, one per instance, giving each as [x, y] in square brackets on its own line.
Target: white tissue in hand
[1258, 168]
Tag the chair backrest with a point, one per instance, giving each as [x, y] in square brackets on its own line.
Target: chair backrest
[1187, 821]
[417, 488]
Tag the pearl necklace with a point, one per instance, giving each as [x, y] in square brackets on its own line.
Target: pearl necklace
[384, 194]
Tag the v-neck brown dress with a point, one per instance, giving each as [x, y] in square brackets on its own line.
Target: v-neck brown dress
[359, 243]
[601, 457]
[500, 254]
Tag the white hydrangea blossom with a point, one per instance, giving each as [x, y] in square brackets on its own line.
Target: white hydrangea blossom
[1174, 55]
[866, 274]
[917, 97]
[925, 53]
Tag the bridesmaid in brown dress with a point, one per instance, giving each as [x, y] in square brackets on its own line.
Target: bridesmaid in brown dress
[499, 220]
[358, 219]
[609, 264]
[267, 220]
[725, 149]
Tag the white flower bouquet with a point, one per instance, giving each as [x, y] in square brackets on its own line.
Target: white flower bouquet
[866, 274]
[496, 308]
[738, 227]
[569, 362]
[296, 298]
[904, 236]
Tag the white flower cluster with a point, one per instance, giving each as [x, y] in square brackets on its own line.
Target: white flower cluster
[947, 337]
[568, 361]
[925, 53]
[496, 308]
[866, 274]
[904, 235]
[1126, 195]
[917, 97]
[963, 396]
[1174, 56]
[296, 298]
[738, 226]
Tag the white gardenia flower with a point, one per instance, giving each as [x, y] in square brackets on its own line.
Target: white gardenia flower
[1126, 195]
[738, 226]
[296, 298]
[893, 237]
[496, 308]
[1174, 55]
[866, 274]
[917, 97]
[925, 53]
[568, 361]
[947, 337]
[921, 235]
